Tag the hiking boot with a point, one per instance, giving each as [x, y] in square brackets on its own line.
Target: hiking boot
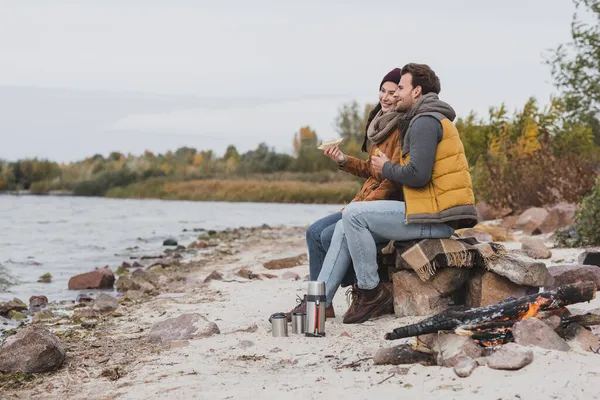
[301, 308]
[367, 304]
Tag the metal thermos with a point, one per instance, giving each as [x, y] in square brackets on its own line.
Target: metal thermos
[280, 325]
[298, 322]
[315, 309]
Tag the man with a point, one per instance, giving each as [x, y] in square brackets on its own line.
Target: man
[438, 194]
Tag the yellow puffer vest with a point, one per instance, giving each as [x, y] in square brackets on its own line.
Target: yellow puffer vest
[448, 197]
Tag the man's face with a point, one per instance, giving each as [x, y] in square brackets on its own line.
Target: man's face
[406, 95]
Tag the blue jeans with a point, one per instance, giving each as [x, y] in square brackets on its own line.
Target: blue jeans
[355, 239]
[318, 240]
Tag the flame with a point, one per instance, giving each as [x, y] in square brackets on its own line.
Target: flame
[534, 307]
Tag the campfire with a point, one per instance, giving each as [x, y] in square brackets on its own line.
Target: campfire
[493, 326]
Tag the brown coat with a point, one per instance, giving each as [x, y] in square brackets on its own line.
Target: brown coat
[375, 188]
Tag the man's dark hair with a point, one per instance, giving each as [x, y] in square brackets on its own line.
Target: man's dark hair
[423, 75]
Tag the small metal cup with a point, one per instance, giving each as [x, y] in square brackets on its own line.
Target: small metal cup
[299, 322]
[279, 325]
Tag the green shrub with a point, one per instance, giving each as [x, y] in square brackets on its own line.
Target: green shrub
[586, 231]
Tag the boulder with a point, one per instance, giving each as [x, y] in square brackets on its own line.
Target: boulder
[581, 339]
[102, 278]
[170, 242]
[533, 332]
[37, 302]
[521, 269]
[214, 276]
[590, 257]
[474, 233]
[535, 248]
[247, 274]
[465, 367]
[134, 295]
[415, 297]
[16, 315]
[450, 349]
[402, 354]
[530, 220]
[105, 303]
[33, 350]
[510, 357]
[485, 288]
[12, 305]
[183, 327]
[559, 216]
[200, 244]
[288, 262]
[567, 274]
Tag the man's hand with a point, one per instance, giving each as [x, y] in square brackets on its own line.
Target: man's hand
[377, 163]
[335, 154]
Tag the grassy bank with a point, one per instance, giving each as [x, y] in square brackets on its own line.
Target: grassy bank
[254, 190]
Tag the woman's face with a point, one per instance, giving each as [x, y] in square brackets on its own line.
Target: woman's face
[386, 96]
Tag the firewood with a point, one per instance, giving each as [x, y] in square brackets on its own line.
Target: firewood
[586, 320]
[510, 309]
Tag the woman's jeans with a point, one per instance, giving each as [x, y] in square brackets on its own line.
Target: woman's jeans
[318, 240]
[355, 239]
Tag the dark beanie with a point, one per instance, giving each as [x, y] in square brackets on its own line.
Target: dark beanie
[392, 76]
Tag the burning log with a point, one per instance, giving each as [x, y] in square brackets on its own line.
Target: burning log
[509, 310]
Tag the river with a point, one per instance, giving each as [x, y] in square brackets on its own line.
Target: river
[65, 236]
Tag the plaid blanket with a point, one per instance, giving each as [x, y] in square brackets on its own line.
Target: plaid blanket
[426, 256]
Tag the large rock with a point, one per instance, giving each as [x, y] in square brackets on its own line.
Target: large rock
[451, 350]
[402, 354]
[37, 302]
[590, 257]
[567, 274]
[559, 216]
[184, 327]
[581, 339]
[521, 269]
[533, 332]
[105, 303]
[535, 248]
[12, 305]
[415, 297]
[465, 367]
[510, 357]
[33, 350]
[102, 278]
[485, 288]
[485, 212]
[531, 220]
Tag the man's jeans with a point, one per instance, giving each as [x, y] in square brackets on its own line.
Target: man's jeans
[318, 240]
[355, 239]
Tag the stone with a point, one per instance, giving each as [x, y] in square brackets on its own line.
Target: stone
[510, 357]
[509, 222]
[581, 339]
[214, 276]
[183, 327]
[247, 274]
[86, 312]
[12, 305]
[402, 354]
[102, 278]
[559, 216]
[105, 303]
[84, 298]
[485, 212]
[533, 332]
[125, 265]
[536, 248]
[530, 220]
[46, 278]
[288, 262]
[16, 315]
[134, 295]
[32, 350]
[268, 276]
[42, 316]
[200, 244]
[37, 302]
[137, 265]
[415, 297]
[567, 274]
[170, 242]
[139, 274]
[485, 288]
[553, 321]
[480, 236]
[450, 349]
[290, 275]
[590, 257]
[464, 367]
[163, 281]
[521, 269]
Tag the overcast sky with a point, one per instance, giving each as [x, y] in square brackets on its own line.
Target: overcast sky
[85, 77]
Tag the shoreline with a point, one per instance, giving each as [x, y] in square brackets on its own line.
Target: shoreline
[115, 360]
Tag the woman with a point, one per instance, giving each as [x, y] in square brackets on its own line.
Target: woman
[382, 135]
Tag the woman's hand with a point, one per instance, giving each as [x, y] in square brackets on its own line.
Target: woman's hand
[335, 154]
[377, 163]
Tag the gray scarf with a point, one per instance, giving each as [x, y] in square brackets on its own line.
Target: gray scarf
[382, 126]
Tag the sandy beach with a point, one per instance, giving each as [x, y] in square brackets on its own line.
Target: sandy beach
[114, 360]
